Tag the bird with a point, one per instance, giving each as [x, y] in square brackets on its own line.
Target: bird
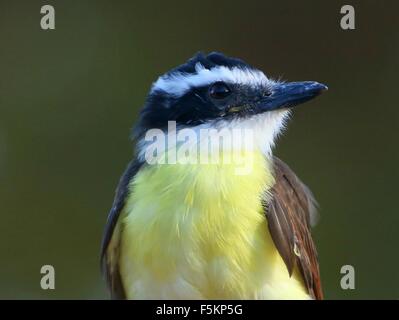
[181, 228]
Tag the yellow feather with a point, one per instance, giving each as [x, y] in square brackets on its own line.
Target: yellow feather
[198, 231]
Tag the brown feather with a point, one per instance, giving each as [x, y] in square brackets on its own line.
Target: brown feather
[111, 241]
[290, 212]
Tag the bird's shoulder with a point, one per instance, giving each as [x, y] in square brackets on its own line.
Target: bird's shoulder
[111, 237]
[290, 211]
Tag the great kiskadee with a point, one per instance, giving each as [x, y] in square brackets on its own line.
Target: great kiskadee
[198, 230]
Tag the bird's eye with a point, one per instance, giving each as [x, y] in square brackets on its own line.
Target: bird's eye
[219, 90]
[266, 93]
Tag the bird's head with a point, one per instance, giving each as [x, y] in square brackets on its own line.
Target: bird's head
[218, 91]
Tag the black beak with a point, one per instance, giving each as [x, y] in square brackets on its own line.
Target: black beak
[287, 95]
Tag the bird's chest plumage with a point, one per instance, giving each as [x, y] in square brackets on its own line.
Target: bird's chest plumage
[199, 232]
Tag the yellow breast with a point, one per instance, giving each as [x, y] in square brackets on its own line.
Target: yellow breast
[198, 231]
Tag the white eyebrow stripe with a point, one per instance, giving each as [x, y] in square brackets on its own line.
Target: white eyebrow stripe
[178, 83]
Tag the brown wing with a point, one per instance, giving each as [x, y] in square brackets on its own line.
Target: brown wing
[289, 213]
[111, 238]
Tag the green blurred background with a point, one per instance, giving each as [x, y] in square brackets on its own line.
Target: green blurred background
[68, 98]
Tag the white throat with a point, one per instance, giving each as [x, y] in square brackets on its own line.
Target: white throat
[255, 133]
